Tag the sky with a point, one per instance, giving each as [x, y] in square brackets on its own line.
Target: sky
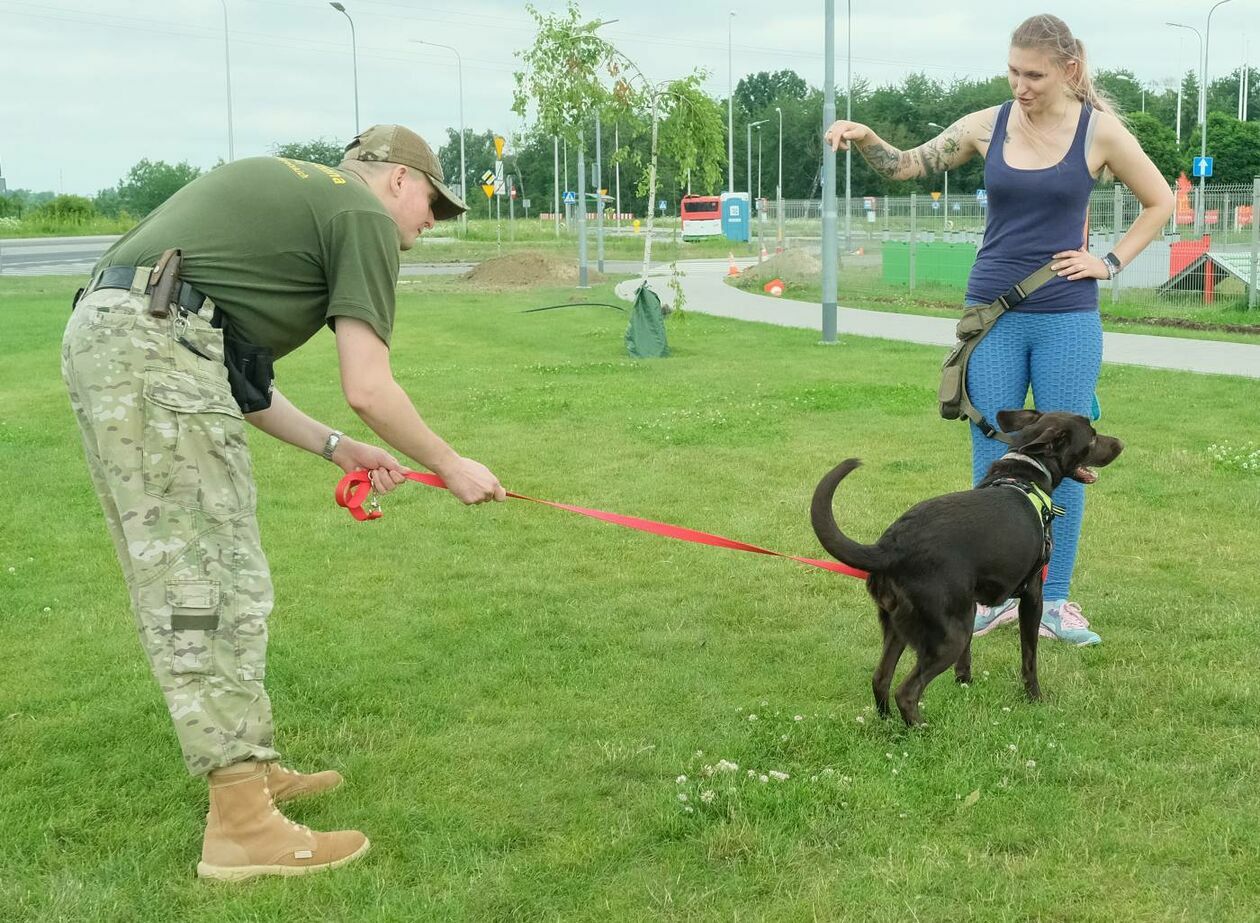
[92, 86]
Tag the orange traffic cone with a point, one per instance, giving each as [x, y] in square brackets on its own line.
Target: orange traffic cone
[732, 269]
[773, 287]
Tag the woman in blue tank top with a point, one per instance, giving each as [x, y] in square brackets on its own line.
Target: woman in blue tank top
[1043, 151]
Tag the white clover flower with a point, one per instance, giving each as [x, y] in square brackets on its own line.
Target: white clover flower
[726, 766]
[752, 717]
[688, 809]
[984, 672]
[681, 780]
[707, 770]
[860, 720]
[798, 717]
[902, 815]
[1006, 708]
[763, 778]
[896, 771]
[1052, 745]
[784, 737]
[1011, 747]
[764, 703]
[682, 796]
[699, 753]
[752, 773]
[904, 754]
[965, 685]
[708, 795]
[1031, 764]
[47, 609]
[887, 756]
[828, 771]
[779, 776]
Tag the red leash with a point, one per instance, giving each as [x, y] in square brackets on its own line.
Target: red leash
[354, 489]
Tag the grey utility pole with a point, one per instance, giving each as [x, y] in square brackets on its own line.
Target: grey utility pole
[227, 70]
[354, 57]
[829, 179]
[730, 109]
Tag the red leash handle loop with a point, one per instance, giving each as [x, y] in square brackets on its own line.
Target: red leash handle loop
[355, 488]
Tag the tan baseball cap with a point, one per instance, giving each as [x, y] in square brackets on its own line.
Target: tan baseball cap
[396, 144]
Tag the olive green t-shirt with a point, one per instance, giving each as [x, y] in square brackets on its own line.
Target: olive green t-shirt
[282, 246]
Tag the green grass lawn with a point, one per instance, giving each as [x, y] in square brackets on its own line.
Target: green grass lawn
[514, 692]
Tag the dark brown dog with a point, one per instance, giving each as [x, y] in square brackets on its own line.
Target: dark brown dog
[931, 566]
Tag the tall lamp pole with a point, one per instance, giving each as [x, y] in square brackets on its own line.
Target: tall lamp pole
[730, 107]
[1198, 203]
[778, 195]
[848, 114]
[463, 169]
[227, 70]
[751, 126]
[829, 179]
[354, 57]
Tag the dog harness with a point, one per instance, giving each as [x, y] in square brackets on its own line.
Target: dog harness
[1045, 507]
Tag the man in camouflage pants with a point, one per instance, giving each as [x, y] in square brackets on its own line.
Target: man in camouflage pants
[272, 251]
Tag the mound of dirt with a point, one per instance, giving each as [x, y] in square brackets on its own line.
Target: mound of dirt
[527, 268]
[794, 267]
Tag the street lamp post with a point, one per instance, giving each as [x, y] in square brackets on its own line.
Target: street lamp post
[463, 169]
[848, 114]
[1198, 196]
[227, 70]
[1204, 40]
[751, 126]
[1207, 41]
[778, 195]
[354, 58]
[730, 108]
[829, 178]
[945, 223]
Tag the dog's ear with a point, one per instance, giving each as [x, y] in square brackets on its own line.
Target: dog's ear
[1049, 437]
[1104, 451]
[1012, 421]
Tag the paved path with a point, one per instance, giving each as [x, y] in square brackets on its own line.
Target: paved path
[708, 293]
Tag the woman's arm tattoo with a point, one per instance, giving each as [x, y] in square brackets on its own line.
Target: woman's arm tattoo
[887, 160]
[937, 155]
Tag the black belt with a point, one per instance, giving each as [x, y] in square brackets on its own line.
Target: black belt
[187, 297]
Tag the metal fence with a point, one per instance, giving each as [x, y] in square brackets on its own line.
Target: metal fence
[926, 244]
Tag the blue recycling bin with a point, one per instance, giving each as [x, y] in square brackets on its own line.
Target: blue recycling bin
[736, 215]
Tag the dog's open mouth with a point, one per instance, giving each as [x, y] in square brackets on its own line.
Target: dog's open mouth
[1085, 475]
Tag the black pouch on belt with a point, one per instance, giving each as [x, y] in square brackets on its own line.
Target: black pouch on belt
[250, 370]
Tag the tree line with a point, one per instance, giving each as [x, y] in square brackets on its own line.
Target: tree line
[900, 113]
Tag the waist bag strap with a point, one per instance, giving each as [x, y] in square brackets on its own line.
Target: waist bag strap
[972, 326]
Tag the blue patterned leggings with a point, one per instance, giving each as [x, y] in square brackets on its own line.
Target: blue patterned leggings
[1059, 355]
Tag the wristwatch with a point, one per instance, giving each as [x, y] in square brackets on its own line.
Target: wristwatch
[1112, 262]
[330, 444]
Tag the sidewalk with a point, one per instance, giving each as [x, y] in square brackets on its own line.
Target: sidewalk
[708, 293]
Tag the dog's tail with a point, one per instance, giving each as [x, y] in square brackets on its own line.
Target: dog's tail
[840, 546]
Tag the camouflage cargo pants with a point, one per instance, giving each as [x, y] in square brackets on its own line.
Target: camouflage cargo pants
[166, 448]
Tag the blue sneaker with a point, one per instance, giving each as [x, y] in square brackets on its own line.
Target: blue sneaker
[1065, 622]
[991, 617]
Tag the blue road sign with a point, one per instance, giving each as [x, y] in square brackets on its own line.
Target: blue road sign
[1202, 166]
[982, 197]
[662, 206]
[570, 198]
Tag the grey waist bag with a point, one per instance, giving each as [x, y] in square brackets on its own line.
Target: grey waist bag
[972, 326]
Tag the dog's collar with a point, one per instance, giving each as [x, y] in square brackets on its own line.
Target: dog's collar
[1020, 456]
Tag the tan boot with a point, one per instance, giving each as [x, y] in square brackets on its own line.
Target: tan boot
[285, 784]
[246, 835]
